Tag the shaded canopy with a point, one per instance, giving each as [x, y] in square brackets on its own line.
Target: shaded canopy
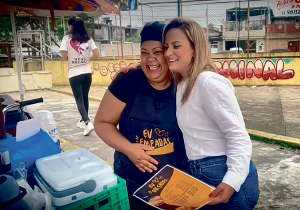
[57, 8]
[51, 8]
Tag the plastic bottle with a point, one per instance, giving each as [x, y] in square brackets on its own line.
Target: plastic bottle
[48, 124]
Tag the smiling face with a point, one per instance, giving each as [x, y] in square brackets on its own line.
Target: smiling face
[122, 64]
[116, 67]
[112, 74]
[178, 51]
[96, 66]
[153, 62]
[110, 67]
[103, 71]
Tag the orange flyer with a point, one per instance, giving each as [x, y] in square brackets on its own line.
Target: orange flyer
[172, 189]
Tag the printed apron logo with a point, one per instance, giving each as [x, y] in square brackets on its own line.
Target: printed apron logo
[162, 143]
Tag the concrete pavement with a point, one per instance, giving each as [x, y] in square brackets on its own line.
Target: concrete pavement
[96, 92]
[278, 167]
[271, 109]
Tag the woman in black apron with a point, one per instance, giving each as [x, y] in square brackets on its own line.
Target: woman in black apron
[143, 103]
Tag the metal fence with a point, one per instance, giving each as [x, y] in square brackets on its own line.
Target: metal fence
[231, 26]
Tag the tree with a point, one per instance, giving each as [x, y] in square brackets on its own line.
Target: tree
[212, 26]
[89, 22]
[134, 39]
[21, 24]
[6, 28]
[60, 34]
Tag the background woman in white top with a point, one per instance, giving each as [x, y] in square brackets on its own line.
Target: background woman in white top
[216, 141]
[76, 47]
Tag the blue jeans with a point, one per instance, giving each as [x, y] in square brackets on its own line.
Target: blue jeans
[211, 170]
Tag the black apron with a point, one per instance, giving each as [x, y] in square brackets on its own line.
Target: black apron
[154, 124]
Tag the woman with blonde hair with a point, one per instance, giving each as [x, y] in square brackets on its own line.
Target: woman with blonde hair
[216, 141]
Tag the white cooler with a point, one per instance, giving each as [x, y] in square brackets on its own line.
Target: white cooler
[73, 176]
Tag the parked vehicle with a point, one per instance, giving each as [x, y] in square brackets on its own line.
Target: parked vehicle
[237, 50]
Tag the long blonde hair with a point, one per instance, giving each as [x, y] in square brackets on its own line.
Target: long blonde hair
[201, 60]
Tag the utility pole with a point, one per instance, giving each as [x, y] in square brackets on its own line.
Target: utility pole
[178, 8]
[99, 29]
[130, 23]
[181, 11]
[142, 15]
[152, 13]
[267, 28]
[236, 28]
[206, 14]
[248, 21]
[121, 35]
[17, 57]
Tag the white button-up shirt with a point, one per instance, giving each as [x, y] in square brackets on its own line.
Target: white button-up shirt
[212, 125]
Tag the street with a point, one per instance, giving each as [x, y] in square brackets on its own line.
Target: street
[278, 167]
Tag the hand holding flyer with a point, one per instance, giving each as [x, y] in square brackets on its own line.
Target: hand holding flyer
[172, 189]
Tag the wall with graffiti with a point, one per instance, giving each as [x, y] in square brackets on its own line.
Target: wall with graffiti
[104, 71]
[274, 71]
[260, 71]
